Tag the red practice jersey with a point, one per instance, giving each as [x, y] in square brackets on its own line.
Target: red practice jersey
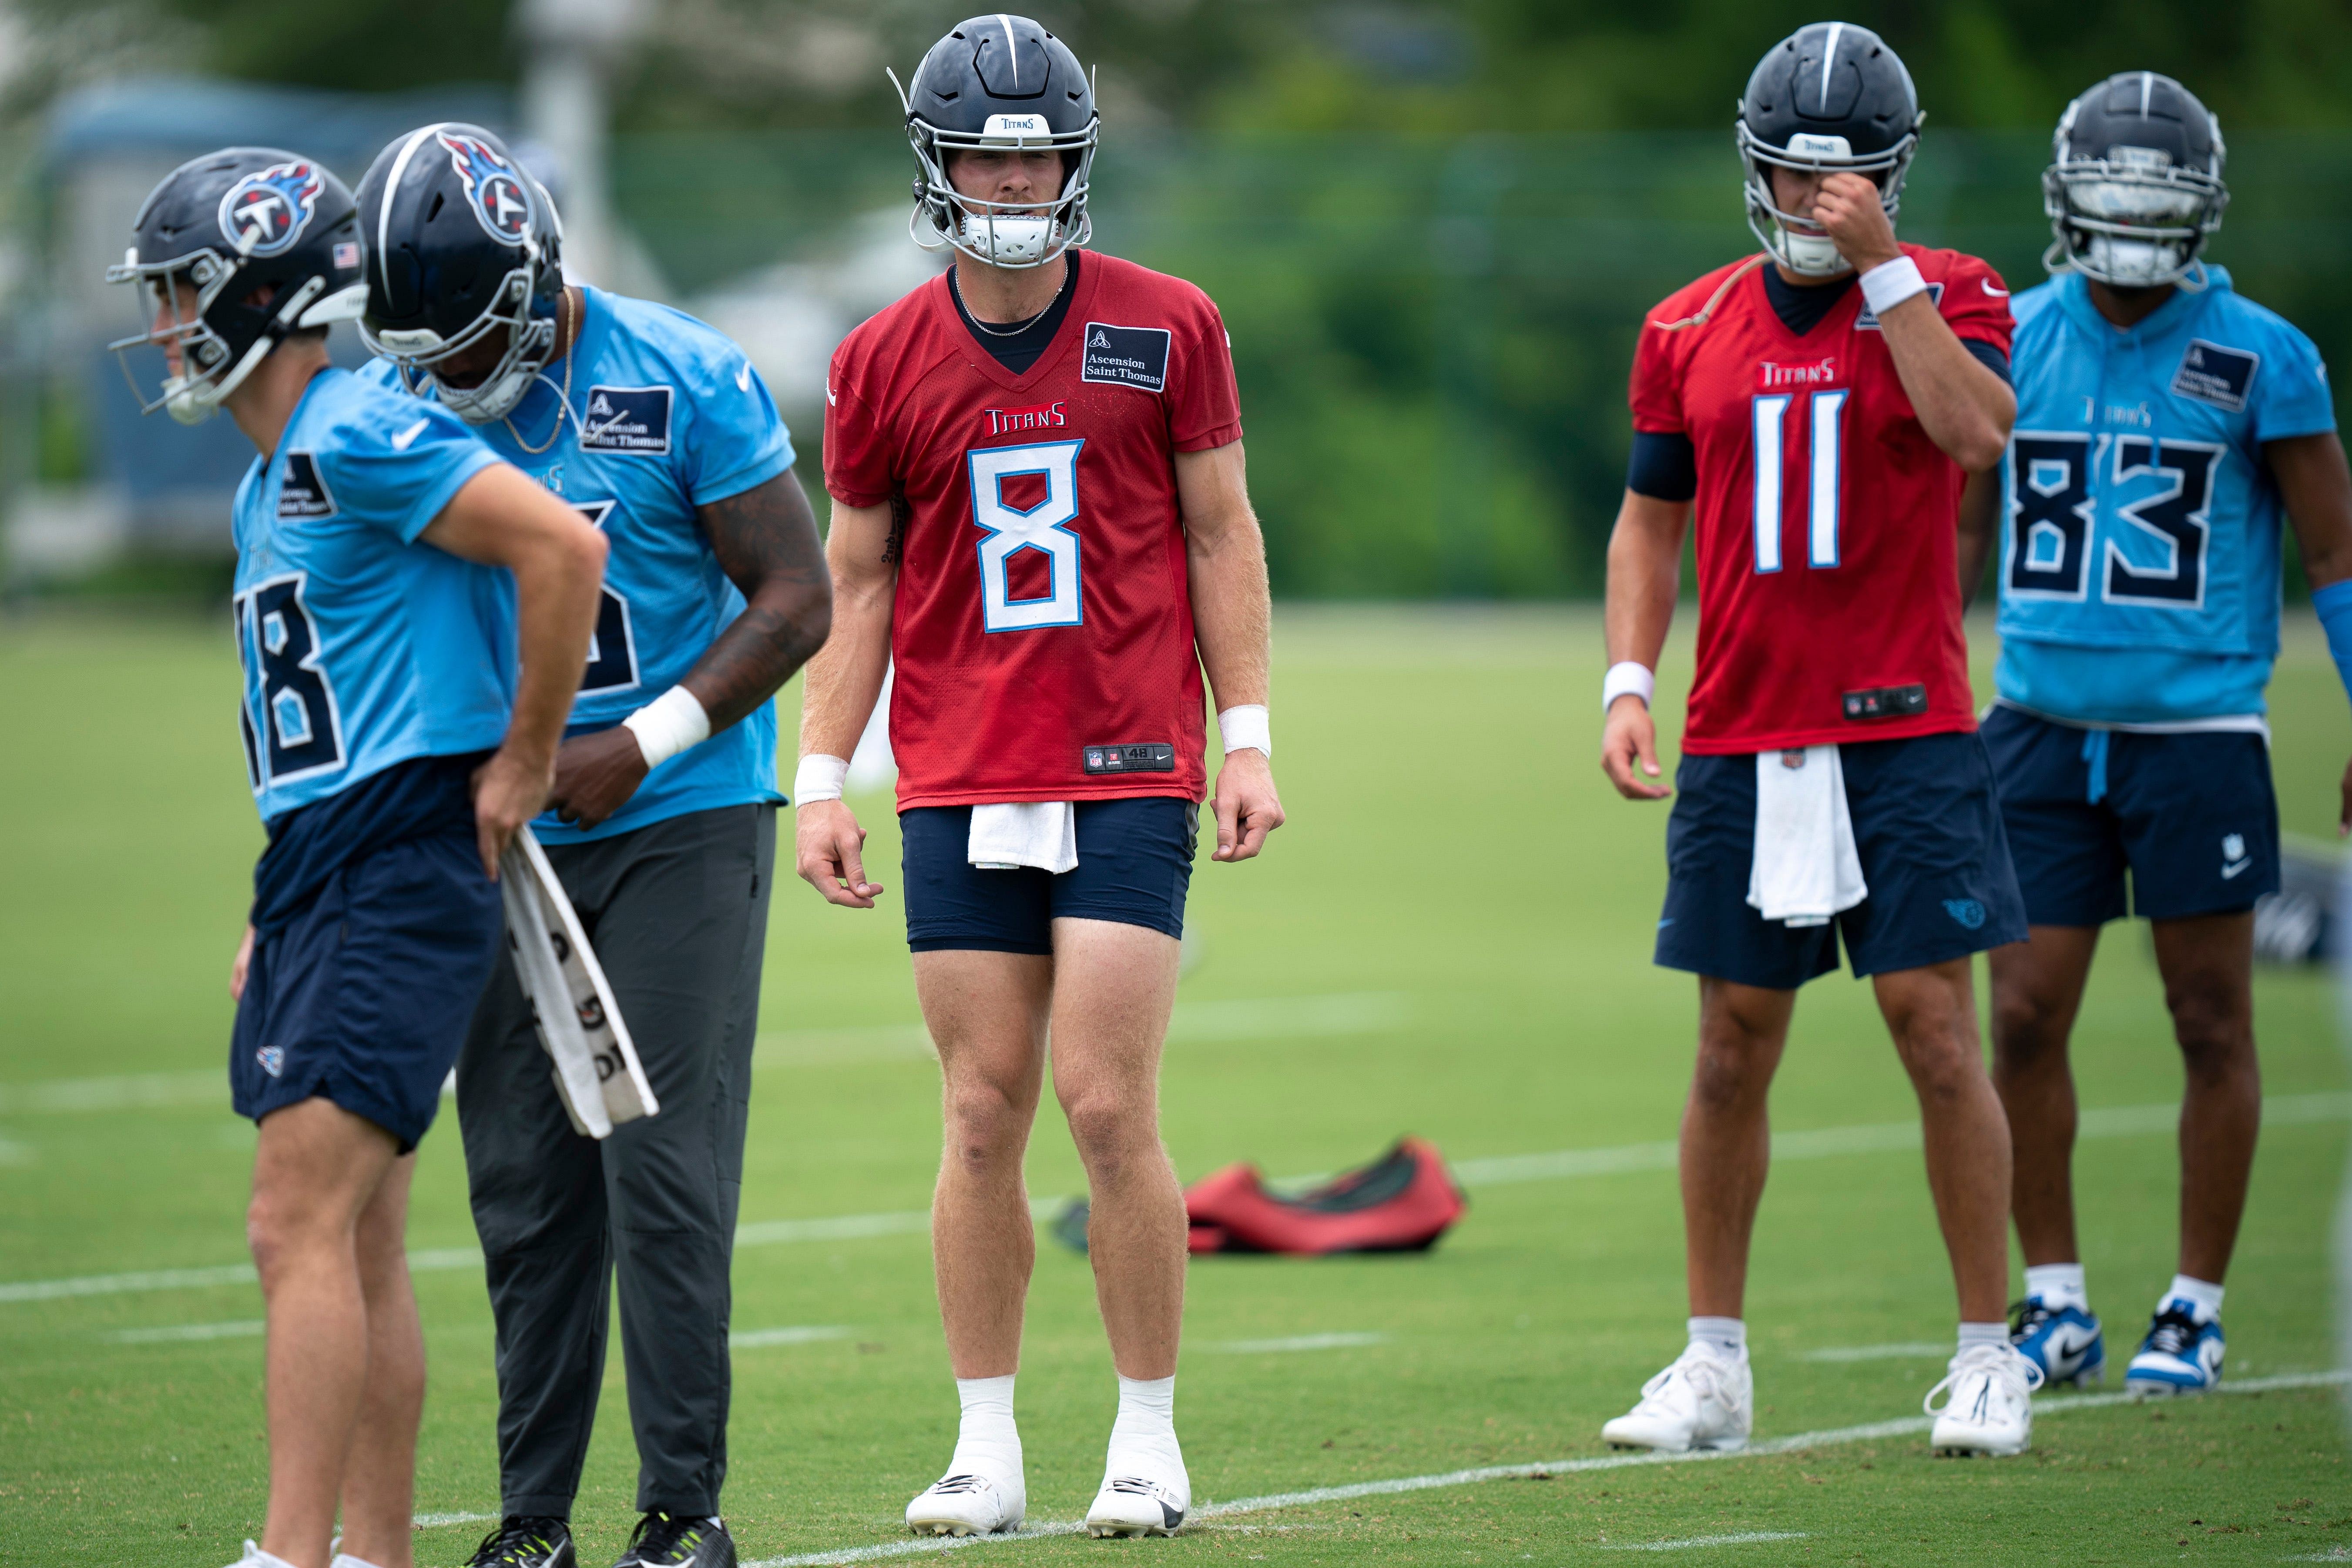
[1829, 605]
[1042, 628]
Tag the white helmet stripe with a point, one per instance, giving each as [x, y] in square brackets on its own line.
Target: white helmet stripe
[2146, 87]
[1829, 59]
[1012, 47]
[391, 194]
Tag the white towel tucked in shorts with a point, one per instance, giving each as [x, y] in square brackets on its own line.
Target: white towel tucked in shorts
[1040, 832]
[1805, 868]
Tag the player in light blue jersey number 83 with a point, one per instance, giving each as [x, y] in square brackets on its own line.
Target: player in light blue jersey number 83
[2166, 427]
[393, 749]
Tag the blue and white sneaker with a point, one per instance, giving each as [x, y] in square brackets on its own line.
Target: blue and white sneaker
[2180, 1354]
[2063, 1341]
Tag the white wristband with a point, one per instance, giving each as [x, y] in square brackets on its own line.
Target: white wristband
[1245, 728]
[819, 778]
[1627, 676]
[669, 725]
[1890, 283]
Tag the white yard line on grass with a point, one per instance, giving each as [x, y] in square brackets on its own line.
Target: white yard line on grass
[1836, 1436]
[1297, 1343]
[1745, 1538]
[1909, 1350]
[2278, 1110]
[435, 1520]
[754, 1339]
[1195, 1023]
[243, 1329]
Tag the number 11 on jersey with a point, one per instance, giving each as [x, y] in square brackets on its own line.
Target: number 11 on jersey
[1771, 416]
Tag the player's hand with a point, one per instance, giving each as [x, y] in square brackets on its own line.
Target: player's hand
[1629, 741]
[1245, 805]
[509, 791]
[830, 848]
[1851, 213]
[596, 774]
[239, 966]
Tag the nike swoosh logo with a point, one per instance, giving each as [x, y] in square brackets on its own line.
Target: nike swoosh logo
[743, 378]
[2229, 871]
[400, 442]
[1986, 284]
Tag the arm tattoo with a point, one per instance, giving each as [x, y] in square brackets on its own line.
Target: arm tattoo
[765, 540]
[894, 549]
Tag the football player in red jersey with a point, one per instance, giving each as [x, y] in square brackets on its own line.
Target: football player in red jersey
[1039, 514]
[1822, 404]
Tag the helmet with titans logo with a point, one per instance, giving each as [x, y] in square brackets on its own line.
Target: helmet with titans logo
[1001, 82]
[233, 252]
[1830, 97]
[463, 242]
[2134, 183]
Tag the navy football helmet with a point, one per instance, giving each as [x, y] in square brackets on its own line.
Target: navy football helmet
[1000, 81]
[1829, 97]
[233, 251]
[463, 243]
[2134, 183]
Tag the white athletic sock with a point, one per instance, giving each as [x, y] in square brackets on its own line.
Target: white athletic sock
[2203, 1293]
[1974, 1334]
[1143, 1437]
[1727, 1337]
[268, 1559]
[2060, 1286]
[987, 1442]
[345, 1560]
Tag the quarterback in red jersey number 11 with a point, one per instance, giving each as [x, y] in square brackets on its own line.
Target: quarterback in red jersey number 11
[1040, 521]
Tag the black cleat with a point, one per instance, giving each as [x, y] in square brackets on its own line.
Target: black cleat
[679, 1541]
[526, 1542]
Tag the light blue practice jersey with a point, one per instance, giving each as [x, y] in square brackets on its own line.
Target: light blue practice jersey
[667, 416]
[2139, 558]
[362, 645]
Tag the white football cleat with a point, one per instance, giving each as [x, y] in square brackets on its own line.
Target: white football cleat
[1138, 1505]
[1990, 1410]
[966, 1504]
[1702, 1401]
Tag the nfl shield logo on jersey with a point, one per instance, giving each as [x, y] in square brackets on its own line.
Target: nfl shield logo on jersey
[268, 210]
[500, 196]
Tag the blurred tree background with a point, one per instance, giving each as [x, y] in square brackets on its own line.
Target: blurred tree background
[1432, 229]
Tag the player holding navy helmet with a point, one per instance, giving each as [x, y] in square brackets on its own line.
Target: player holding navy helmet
[2165, 422]
[658, 431]
[1820, 403]
[1039, 510]
[392, 750]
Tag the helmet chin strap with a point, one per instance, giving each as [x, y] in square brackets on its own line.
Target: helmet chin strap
[191, 400]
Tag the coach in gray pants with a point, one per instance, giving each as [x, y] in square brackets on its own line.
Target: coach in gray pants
[663, 826]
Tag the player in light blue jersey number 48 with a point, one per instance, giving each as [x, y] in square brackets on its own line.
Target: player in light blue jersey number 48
[657, 430]
[2166, 427]
[393, 749]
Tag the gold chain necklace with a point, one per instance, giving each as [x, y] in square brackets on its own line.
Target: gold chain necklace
[563, 398]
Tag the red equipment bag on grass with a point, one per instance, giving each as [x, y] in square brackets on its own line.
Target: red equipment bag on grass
[1401, 1202]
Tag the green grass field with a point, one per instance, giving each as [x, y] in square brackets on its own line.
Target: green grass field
[1450, 937]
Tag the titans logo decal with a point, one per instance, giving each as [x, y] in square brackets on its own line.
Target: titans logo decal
[500, 196]
[265, 212]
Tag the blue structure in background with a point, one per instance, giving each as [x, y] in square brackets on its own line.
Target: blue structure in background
[105, 148]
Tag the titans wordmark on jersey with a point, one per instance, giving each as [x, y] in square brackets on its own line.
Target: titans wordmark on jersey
[2139, 560]
[361, 647]
[667, 416]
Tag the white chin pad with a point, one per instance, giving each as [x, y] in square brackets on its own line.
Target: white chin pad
[481, 405]
[1008, 238]
[187, 401]
[2127, 263]
[1814, 254]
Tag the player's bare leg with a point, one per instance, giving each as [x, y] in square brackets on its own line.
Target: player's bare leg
[986, 1012]
[380, 1478]
[2037, 989]
[1727, 1136]
[1932, 1013]
[317, 1170]
[2207, 965]
[1114, 986]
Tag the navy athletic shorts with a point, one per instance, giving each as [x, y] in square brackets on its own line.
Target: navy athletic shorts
[1929, 834]
[2190, 816]
[1134, 865]
[376, 931]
